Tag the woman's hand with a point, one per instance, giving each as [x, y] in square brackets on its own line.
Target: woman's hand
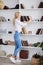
[29, 20]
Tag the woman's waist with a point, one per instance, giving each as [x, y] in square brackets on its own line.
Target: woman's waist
[17, 31]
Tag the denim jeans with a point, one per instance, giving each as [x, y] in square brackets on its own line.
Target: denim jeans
[18, 44]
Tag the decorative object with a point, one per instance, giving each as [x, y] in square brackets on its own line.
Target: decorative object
[40, 5]
[38, 44]
[1, 42]
[24, 18]
[24, 31]
[24, 54]
[9, 42]
[41, 18]
[29, 32]
[9, 32]
[25, 43]
[2, 19]
[38, 31]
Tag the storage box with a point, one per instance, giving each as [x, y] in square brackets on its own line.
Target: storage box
[24, 54]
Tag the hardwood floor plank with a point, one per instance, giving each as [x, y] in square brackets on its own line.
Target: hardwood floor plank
[6, 61]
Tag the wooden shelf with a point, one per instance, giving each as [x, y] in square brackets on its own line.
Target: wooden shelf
[31, 9]
[23, 9]
[6, 33]
[9, 9]
[30, 22]
[30, 47]
[30, 35]
[25, 47]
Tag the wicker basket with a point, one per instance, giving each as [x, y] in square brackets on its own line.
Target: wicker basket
[35, 61]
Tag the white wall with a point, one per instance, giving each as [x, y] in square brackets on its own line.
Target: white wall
[29, 3]
[11, 3]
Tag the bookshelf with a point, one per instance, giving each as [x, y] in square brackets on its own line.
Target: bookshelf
[36, 13]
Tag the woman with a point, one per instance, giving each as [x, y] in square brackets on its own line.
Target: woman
[18, 27]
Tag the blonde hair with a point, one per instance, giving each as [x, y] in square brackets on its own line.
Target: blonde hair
[2, 4]
[16, 15]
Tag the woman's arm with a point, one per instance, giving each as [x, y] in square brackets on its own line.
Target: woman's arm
[13, 21]
[30, 19]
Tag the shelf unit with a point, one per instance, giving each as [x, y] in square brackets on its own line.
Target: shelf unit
[30, 38]
[33, 22]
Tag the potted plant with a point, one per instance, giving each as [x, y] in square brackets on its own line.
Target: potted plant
[41, 45]
[41, 60]
[36, 59]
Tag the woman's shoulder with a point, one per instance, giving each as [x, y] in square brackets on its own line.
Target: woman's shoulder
[17, 20]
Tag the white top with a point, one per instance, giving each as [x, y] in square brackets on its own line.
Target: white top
[18, 25]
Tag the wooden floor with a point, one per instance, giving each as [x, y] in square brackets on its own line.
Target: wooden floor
[6, 61]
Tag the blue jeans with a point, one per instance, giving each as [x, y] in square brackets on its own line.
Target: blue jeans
[18, 44]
